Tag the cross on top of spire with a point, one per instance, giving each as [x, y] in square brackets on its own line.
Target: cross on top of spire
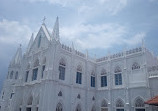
[44, 19]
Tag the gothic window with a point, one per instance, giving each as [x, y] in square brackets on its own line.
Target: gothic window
[118, 79]
[118, 76]
[103, 78]
[26, 77]
[62, 66]
[78, 108]
[78, 96]
[2, 95]
[93, 98]
[11, 75]
[135, 66]
[16, 75]
[119, 105]
[35, 73]
[59, 107]
[60, 94]
[139, 105]
[92, 79]
[43, 69]
[104, 106]
[79, 75]
[39, 41]
[93, 108]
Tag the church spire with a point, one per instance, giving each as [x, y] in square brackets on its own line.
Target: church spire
[30, 42]
[56, 30]
[17, 58]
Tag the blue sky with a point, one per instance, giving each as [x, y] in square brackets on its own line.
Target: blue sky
[99, 26]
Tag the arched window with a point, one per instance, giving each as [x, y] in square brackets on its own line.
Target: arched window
[16, 75]
[79, 75]
[93, 108]
[103, 78]
[118, 76]
[135, 66]
[59, 107]
[62, 66]
[11, 75]
[35, 70]
[78, 96]
[78, 108]
[139, 105]
[119, 105]
[92, 79]
[43, 67]
[60, 94]
[104, 106]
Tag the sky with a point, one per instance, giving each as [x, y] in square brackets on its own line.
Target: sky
[99, 26]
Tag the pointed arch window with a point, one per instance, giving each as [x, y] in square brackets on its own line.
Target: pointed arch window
[78, 96]
[62, 66]
[92, 79]
[103, 78]
[11, 74]
[79, 75]
[43, 67]
[60, 94]
[139, 104]
[59, 107]
[104, 106]
[119, 105]
[118, 76]
[35, 70]
[135, 66]
[16, 75]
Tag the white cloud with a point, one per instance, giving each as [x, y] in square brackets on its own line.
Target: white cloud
[12, 32]
[99, 36]
[89, 7]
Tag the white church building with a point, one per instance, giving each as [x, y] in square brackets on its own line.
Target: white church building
[51, 76]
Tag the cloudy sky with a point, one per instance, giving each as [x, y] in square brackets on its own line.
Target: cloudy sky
[99, 26]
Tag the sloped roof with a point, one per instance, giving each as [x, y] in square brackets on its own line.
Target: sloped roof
[46, 31]
[17, 57]
[153, 101]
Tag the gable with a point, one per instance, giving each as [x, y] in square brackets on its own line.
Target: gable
[42, 39]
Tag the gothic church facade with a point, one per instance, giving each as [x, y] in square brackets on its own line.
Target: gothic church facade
[51, 76]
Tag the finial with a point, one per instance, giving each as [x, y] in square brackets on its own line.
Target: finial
[44, 20]
[143, 42]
